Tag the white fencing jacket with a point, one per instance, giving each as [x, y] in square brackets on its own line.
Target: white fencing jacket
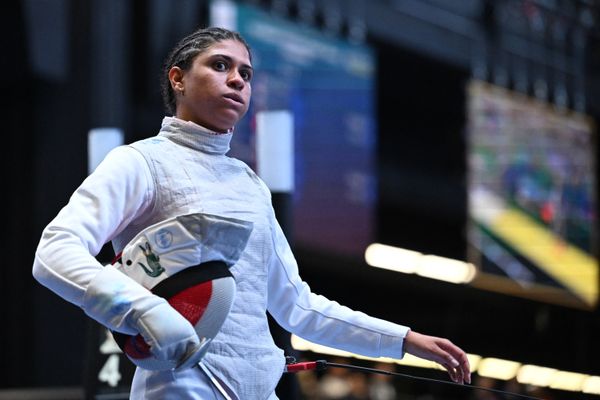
[184, 169]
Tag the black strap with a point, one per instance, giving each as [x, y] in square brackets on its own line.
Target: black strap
[191, 276]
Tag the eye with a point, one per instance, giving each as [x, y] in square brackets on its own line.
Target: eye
[220, 65]
[246, 74]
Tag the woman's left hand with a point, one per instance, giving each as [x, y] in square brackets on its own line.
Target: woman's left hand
[441, 351]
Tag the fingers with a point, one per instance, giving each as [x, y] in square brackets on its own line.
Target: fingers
[453, 367]
[453, 372]
[456, 360]
[442, 351]
[194, 355]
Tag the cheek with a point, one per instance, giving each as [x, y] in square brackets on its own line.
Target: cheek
[244, 111]
[248, 94]
[247, 101]
[204, 84]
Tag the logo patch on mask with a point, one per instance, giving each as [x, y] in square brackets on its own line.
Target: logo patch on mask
[154, 268]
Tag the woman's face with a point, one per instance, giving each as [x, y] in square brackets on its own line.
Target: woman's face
[215, 91]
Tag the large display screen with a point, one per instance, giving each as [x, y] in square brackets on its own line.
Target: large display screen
[532, 197]
[328, 86]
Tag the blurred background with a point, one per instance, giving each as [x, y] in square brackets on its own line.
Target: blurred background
[445, 177]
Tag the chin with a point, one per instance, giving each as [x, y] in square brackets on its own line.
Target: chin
[229, 123]
[225, 128]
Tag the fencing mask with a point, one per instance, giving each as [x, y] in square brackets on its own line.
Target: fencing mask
[186, 261]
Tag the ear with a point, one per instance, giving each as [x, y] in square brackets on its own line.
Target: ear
[176, 78]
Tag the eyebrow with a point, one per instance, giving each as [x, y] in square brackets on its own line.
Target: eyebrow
[230, 59]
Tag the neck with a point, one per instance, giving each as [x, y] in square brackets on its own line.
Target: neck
[215, 130]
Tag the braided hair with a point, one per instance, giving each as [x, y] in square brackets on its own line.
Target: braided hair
[183, 54]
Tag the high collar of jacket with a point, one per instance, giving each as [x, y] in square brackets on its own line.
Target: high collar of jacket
[190, 134]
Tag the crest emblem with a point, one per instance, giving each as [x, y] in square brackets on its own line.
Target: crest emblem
[163, 238]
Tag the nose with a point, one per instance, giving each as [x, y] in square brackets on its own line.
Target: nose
[235, 80]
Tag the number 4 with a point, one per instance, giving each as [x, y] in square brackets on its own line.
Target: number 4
[110, 371]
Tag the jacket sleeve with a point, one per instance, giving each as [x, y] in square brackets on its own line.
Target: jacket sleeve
[117, 192]
[317, 319]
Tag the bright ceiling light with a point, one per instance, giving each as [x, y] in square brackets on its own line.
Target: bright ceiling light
[570, 381]
[498, 369]
[412, 361]
[392, 258]
[412, 262]
[446, 269]
[591, 385]
[535, 375]
[474, 361]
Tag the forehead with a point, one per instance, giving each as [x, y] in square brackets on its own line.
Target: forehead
[230, 48]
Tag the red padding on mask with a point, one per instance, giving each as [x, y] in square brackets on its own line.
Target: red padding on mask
[191, 303]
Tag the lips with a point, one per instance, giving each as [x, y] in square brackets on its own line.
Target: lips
[235, 97]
